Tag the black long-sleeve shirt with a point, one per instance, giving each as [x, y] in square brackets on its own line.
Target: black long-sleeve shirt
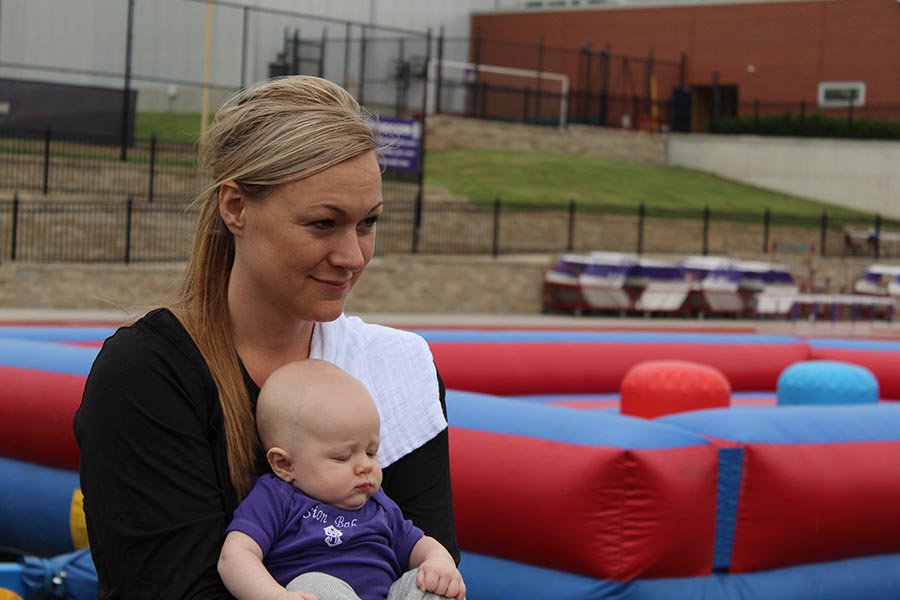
[154, 469]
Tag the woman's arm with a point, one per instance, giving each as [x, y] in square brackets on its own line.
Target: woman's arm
[157, 495]
[420, 484]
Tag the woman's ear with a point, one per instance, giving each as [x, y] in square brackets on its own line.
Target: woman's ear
[231, 206]
[281, 464]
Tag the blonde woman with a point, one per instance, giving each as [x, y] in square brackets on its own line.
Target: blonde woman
[166, 426]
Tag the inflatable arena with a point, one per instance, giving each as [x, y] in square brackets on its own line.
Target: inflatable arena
[585, 465]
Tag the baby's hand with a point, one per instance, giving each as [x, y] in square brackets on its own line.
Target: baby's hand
[439, 575]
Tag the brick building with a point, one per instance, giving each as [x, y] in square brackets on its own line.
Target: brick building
[734, 58]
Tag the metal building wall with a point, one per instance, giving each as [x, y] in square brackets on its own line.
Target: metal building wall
[84, 41]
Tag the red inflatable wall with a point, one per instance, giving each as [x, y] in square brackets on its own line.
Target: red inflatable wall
[803, 503]
[36, 411]
[604, 512]
[884, 365]
[595, 368]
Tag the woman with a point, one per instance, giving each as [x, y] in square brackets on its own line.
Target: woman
[166, 428]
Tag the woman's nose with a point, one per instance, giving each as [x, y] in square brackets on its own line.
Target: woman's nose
[348, 252]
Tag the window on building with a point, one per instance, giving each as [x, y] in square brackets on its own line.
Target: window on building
[836, 94]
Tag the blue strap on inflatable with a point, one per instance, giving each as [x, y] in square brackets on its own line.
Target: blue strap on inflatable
[71, 576]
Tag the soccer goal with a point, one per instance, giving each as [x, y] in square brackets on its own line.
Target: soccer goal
[467, 73]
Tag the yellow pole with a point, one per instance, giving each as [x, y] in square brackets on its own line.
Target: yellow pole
[207, 67]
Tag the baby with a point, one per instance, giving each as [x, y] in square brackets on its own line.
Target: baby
[321, 528]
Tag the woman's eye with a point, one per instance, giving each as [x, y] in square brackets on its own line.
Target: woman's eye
[324, 224]
[369, 223]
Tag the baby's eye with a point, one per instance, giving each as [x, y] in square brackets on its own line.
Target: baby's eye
[342, 458]
[371, 454]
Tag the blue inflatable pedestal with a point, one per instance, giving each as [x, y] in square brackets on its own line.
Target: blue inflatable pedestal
[827, 382]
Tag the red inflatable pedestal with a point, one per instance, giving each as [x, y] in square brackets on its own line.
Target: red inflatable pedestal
[661, 387]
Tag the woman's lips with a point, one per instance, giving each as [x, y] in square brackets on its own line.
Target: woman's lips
[334, 285]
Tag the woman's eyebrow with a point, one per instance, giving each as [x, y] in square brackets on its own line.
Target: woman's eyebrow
[342, 212]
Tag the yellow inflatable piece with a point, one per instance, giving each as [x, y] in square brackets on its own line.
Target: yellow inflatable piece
[77, 525]
[8, 595]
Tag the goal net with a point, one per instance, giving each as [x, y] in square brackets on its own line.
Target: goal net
[493, 91]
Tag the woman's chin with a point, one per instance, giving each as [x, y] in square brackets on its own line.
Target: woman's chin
[325, 311]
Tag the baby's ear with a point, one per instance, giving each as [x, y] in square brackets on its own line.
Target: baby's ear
[281, 463]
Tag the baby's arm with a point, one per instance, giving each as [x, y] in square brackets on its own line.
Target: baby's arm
[437, 569]
[243, 573]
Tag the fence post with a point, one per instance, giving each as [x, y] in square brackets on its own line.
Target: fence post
[417, 221]
[152, 167]
[705, 230]
[756, 116]
[495, 248]
[439, 72]
[525, 102]
[584, 57]
[420, 176]
[474, 99]
[767, 218]
[850, 116]
[126, 89]
[403, 78]
[322, 48]
[570, 243]
[604, 94]
[824, 233]
[642, 212]
[46, 186]
[877, 246]
[245, 16]
[129, 207]
[15, 227]
[803, 117]
[348, 31]
[540, 70]
[362, 64]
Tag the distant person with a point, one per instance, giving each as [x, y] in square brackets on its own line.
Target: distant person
[166, 427]
[320, 524]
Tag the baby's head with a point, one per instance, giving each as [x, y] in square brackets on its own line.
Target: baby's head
[320, 429]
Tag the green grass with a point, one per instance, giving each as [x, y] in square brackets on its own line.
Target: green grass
[532, 179]
[169, 128]
[539, 179]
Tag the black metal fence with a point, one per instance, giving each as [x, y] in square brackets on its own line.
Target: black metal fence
[510, 229]
[125, 231]
[46, 164]
[873, 121]
[94, 231]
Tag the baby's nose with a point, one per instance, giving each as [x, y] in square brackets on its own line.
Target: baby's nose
[364, 465]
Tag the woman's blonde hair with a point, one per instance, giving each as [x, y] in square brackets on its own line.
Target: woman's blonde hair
[279, 131]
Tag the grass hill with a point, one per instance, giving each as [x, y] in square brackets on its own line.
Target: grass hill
[529, 178]
[542, 179]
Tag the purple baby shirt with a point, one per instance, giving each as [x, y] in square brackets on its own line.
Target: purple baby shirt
[369, 548]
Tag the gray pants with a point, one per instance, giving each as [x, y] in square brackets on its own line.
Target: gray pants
[327, 587]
